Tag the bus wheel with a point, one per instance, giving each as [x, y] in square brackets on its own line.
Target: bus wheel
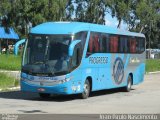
[44, 95]
[129, 84]
[86, 89]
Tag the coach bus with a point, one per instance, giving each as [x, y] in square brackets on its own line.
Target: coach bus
[78, 58]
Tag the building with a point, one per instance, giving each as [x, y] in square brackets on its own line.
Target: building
[8, 37]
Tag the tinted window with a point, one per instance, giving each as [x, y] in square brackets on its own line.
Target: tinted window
[133, 44]
[81, 36]
[114, 44]
[104, 43]
[140, 45]
[124, 44]
[109, 43]
[94, 45]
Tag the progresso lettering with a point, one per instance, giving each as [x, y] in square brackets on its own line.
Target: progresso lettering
[98, 60]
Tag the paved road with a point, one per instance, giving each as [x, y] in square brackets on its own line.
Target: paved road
[144, 98]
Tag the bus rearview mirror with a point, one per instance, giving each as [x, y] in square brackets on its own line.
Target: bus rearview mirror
[72, 46]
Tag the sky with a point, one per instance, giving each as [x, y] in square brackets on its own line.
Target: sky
[113, 22]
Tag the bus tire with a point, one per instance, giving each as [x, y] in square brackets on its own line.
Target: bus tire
[44, 95]
[129, 84]
[86, 90]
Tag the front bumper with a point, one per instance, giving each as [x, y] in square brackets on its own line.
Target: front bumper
[56, 89]
[54, 85]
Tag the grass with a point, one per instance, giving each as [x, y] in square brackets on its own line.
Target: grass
[152, 65]
[10, 62]
[8, 81]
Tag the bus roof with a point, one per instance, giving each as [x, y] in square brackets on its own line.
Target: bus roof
[74, 27]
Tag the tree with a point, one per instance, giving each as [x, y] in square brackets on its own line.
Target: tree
[21, 13]
[92, 11]
[121, 9]
[140, 15]
[69, 10]
[5, 8]
[147, 12]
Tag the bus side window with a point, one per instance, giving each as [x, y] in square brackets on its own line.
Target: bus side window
[114, 44]
[137, 45]
[93, 45]
[133, 45]
[96, 43]
[90, 45]
[123, 44]
[104, 43]
[77, 55]
[140, 45]
[81, 36]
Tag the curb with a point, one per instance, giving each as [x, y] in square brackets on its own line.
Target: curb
[15, 74]
[153, 72]
[12, 88]
[10, 71]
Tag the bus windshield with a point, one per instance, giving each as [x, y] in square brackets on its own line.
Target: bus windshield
[46, 54]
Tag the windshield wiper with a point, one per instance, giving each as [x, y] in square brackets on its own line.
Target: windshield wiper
[36, 63]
